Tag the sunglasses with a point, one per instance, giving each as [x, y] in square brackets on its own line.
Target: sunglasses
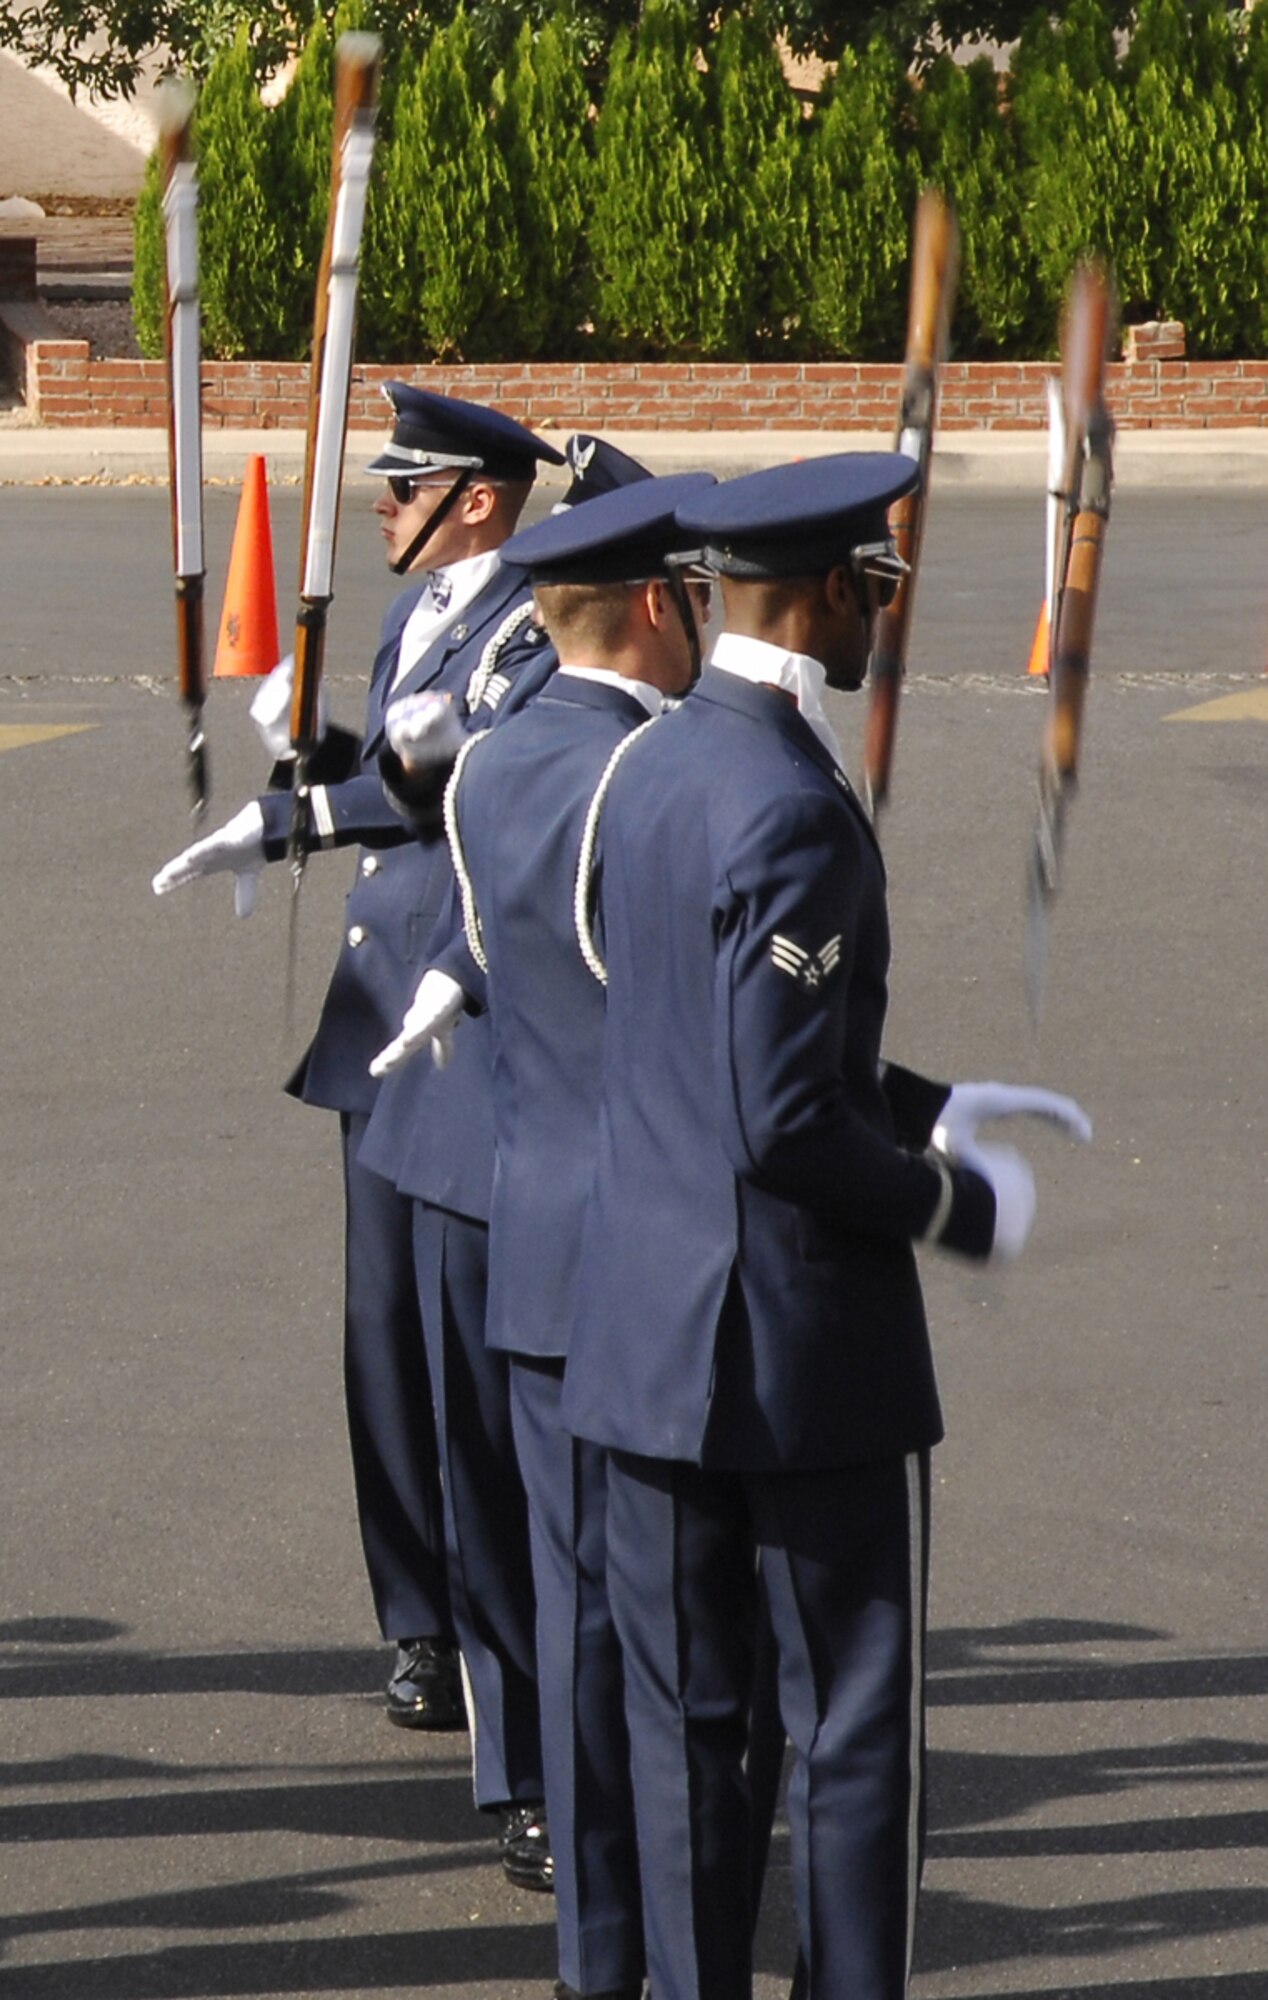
[403, 486]
[882, 567]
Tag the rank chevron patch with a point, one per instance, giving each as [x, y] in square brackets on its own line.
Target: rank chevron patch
[497, 686]
[808, 968]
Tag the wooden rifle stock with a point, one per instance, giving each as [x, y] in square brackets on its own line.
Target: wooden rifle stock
[357, 59]
[1087, 483]
[934, 269]
[184, 415]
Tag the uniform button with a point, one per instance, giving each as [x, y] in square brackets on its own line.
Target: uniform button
[459, 634]
[370, 865]
[356, 936]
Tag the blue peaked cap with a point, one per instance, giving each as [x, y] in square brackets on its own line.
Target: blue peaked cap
[801, 519]
[597, 467]
[435, 433]
[618, 537]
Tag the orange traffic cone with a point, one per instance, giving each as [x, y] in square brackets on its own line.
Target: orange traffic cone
[248, 624]
[1039, 651]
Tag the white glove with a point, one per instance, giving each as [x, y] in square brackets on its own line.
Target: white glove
[1013, 1185]
[974, 1104]
[1003, 1167]
[424, 729]
[237, 845]
[270, 711]
[433, 1017]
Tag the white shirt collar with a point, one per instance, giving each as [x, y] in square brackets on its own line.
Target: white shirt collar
[426, 622]
[642, 691]
[796, 673]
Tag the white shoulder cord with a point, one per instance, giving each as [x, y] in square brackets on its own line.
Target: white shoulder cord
[466, 887]
[585, 861]
[483, 673]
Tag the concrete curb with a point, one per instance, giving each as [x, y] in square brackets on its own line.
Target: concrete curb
[1001, 460]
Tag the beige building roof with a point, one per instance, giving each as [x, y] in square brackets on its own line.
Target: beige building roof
[51, 146]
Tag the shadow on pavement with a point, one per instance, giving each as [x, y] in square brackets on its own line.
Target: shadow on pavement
[58, 1631]
[305, 1670]
[271, 1900]
[958, 1930]
[409, 1960]
[419, 1805]
[973, 1796]
[972, 1787]
[965, 1671]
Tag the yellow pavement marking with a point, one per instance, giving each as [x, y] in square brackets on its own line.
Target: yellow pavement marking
[16, 735]
[1252, 706]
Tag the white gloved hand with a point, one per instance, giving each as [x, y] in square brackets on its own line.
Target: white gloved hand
[1013, 1185]
[433, 1017]
[270, 710]
[238, 846]
[974, 1104]
[424, 730]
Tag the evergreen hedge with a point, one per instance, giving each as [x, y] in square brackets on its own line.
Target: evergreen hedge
[700, 210]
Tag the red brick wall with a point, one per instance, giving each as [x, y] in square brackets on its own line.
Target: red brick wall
[64, 387]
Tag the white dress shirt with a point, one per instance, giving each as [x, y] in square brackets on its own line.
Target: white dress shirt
[651, 698]
[426, 622]
[770, 666]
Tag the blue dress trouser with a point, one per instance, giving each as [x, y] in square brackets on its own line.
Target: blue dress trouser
[391, 1425]
[589, 1798]
[843, 1559]
[486, 1514]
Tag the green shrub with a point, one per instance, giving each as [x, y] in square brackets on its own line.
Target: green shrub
[763, 265]
[541, 129]
[655, 219]
[1251, 263]
[240, 226]
[149, 257]
[968, 149]
[438, 263]
[300, 130]
[1080, 144]
[1184, 76]
[864, 181]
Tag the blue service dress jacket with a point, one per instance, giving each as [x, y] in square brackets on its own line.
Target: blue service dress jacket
[431, 1131]
[401, 883]
[748, 1290]
[521, 805]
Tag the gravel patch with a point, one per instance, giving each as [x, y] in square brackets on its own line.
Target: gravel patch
[106, 324]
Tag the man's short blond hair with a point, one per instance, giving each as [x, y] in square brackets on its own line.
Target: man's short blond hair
[589, 617]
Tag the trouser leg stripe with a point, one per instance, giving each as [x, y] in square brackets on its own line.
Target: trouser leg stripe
[915, 1515]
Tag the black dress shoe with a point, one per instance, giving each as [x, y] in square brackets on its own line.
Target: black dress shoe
[425, 1691]
[525, 1843]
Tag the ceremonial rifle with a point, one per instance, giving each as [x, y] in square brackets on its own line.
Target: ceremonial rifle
[357, 59]
[934, 269]
[184, 415]
[1087, 479]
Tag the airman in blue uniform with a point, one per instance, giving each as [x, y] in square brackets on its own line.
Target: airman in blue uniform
[624, 631]
[750, 1346]
[457, 476]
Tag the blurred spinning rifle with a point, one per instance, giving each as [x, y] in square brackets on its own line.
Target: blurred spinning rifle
[935, 261]
[1077, 524]
[184, 415]
[357, 59]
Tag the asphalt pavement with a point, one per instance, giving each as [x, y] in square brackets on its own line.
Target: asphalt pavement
[200, 1793]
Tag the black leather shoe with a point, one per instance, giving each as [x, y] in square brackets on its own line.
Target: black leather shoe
[525, 1843]
[565, 1992]
[425, 1691]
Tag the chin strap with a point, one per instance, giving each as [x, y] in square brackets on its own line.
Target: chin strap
[430, 526]
[682, 604]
